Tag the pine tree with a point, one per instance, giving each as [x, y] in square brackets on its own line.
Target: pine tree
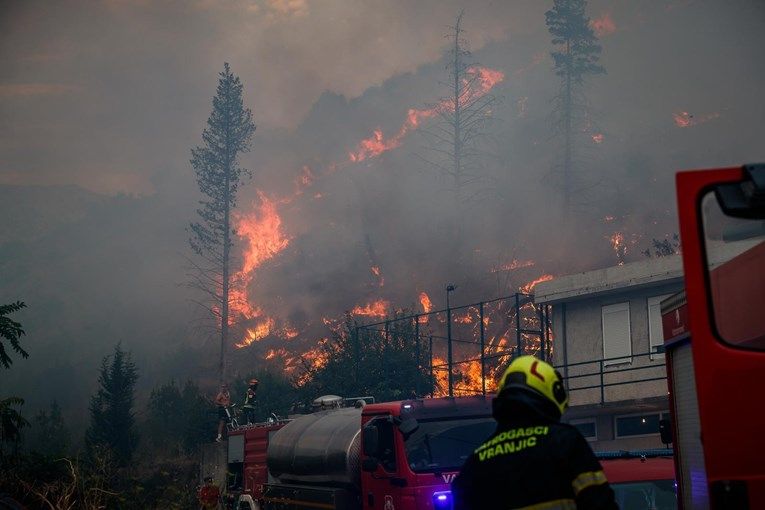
[576, 55]
[112, 420]
[228, 134]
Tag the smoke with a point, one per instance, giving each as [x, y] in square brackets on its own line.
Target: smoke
[111, 96]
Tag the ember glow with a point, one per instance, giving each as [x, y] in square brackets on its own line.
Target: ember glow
[617, 244]
[597, 138]
[529, 287]
[684, 119]
[377, 308]
[603, 25]
[482, 80]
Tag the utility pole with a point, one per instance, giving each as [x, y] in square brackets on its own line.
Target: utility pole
[449, 289]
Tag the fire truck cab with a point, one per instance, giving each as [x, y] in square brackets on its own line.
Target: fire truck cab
[714, 335]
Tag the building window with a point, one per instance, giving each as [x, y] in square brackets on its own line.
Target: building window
[637, 425]
[655, 333]
[617, 344]
[588, 428]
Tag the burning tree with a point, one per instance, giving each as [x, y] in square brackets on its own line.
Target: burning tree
[229, 133]
[576, 55]
[453, 141]
[383, 362]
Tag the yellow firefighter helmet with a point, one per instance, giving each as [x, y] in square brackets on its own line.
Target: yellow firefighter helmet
[531, 374]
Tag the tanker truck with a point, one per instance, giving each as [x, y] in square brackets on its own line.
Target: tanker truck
[382, 456]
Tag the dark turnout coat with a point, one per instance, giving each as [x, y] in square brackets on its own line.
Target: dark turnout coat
[532, 461]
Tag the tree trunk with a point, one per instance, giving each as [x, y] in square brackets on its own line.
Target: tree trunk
[568, 141]
[226, 248]
[457, 135]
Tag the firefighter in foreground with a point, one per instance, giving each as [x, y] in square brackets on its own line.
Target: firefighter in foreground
[532, 460]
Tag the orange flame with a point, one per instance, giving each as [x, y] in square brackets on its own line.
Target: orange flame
[427, 305]
[315, 359]
[263, 232]
[485, 80]
[377, 308]
[526, 289]
[273, 353]
[604, 25]
[264, 237]
[259, 332]
[466, 377]
[597, 138]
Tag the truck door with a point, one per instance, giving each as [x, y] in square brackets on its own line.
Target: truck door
[381, 478]
[722, 227]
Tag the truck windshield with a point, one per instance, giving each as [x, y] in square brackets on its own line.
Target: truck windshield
[445, 444]
[647, 495]
[735, 253]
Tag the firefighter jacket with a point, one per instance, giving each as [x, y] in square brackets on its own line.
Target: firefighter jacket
[533, 462]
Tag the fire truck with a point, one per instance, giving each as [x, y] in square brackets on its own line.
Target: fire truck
[380, 456]
[714, 335]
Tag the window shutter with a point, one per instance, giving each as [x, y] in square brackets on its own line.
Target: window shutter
[616, 334]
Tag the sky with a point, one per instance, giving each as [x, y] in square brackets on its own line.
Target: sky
[102, 101]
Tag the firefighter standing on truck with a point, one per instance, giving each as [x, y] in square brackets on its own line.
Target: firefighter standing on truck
[532, 460]
[250, 400]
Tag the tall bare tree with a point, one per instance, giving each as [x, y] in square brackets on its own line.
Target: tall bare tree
[453, 141]
[576, 55]
[227, 135]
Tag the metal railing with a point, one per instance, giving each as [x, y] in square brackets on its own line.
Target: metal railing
[608, 372]
[488, 334]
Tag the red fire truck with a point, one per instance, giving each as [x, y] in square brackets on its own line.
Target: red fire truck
[386, 456]
[715, 340]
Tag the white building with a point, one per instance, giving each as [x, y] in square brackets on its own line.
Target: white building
[608, 343]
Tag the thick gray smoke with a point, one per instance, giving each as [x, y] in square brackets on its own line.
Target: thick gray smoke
[110, 97]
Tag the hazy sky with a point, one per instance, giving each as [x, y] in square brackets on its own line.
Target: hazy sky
[110, 95]
[107, 94]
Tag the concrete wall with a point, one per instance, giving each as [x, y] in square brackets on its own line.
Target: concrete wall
[579, 324]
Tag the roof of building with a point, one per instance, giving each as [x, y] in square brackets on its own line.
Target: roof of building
[644, 273]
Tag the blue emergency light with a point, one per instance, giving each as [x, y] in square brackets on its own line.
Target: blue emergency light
[442, 500]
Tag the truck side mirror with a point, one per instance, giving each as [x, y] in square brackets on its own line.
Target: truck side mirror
[665, 431]
[369, 464]
[371, 440]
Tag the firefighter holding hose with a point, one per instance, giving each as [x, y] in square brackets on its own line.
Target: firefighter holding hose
[532, 460]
